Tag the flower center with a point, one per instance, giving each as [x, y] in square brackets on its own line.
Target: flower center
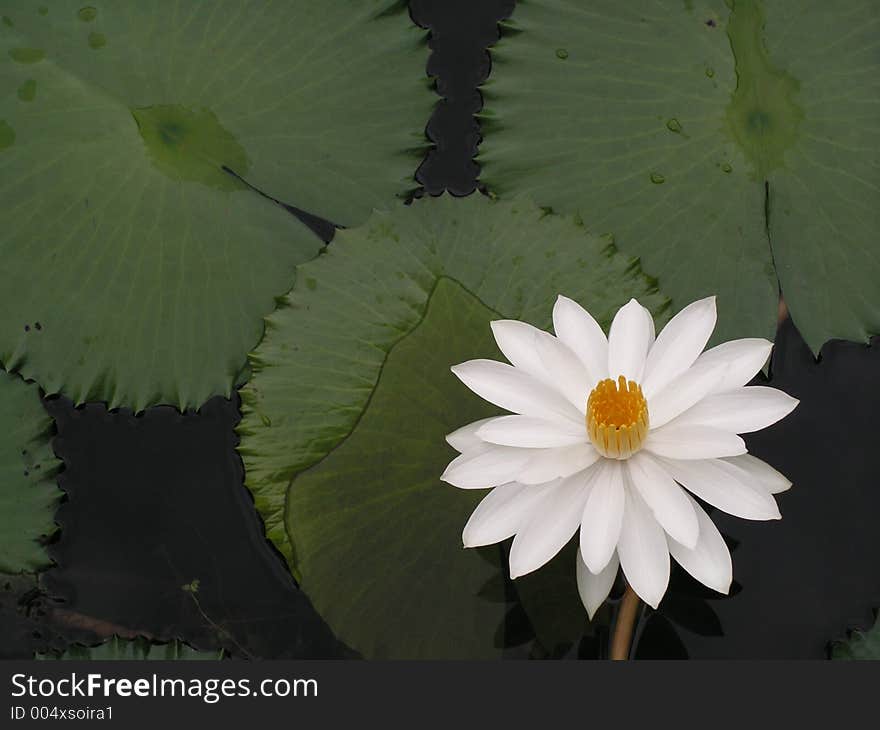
[617, 418]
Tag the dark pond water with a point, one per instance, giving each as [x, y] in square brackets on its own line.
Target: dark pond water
[461, 31]
[156, 501]
[808, 578]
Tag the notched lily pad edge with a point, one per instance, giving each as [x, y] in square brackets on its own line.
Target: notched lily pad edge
[48, 478]
[140, 648]
[420, 191]
[858, 644]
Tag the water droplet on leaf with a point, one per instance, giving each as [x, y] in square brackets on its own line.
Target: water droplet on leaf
[657, 178]
[87, 14]
[727, 167]
[561, 53]
[710, 72]
[673, 125]
[97, 40]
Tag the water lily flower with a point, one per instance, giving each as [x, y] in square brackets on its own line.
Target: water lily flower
[613, 435]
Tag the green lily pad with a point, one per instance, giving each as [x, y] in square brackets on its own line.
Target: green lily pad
[726, 142]
[859, 645]
[139, 649]
[344, 419]
[137, 261]
[28, 492]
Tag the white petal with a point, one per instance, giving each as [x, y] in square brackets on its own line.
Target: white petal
[742, 410]
[643, 552]
[547, 464]
[514, 390]
[761, 472]
[668, 501]
[594, 589]
[484, 469]
[683, 392]
[724, 486]
[603, 515]
[516, 340]
[465, 438]
[577, 329]
[693, 442]
[744, 359]
[554, 520]
[628, 341]
[501, 513]
[534, 433]
[709, 562]
[679, 344]
[565, 370]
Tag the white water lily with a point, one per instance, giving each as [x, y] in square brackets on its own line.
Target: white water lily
[612, 436]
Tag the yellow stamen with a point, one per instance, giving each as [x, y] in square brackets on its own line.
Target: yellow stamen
[617, 418]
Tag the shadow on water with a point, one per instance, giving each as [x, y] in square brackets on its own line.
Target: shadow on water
[155, 502]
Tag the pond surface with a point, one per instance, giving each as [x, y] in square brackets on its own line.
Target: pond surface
[157, 501]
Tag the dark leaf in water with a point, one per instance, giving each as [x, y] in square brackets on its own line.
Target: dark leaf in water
[658, 639]
[859, 645]
[694, 615]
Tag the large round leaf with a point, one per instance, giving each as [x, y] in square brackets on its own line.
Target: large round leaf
[709, 140]
[125, 234]
[28, 492]
[345, 417]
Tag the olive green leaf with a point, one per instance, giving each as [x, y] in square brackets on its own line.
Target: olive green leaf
[725, 142]
[137, 262]
[28, 492]
[859, 645]
[116, 648]
[344, 419]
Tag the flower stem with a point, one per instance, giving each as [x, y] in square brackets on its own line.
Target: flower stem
[621, 640]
